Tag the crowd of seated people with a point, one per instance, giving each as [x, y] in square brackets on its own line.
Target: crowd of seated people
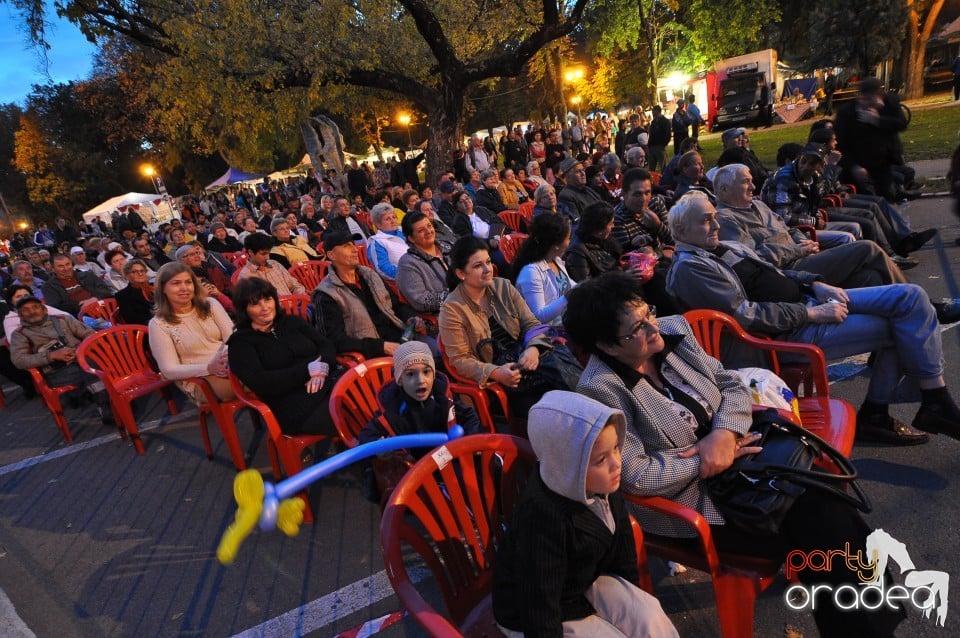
[606, 245]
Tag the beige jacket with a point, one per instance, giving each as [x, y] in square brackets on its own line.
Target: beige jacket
[463, 325]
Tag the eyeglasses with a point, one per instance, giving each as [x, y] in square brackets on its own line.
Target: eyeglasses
[137, 271]
[644, 325]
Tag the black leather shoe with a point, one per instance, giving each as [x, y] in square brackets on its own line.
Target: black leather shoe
[948, 310]
[933, 418]
[904, 263]
[914, 241]
[886, 429]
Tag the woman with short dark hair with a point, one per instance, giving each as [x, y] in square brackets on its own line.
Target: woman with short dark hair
[592, 252]
[688, 419]
[283, 359]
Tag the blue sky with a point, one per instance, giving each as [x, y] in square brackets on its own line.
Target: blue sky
[70, 56]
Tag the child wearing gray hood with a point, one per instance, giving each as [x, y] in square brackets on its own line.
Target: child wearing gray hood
[568, 566]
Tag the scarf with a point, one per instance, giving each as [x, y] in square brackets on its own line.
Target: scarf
[146, 289]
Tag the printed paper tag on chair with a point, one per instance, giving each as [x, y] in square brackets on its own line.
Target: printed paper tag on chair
[360, 369]
[441, 457]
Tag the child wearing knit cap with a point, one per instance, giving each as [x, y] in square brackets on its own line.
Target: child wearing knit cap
[417, 401]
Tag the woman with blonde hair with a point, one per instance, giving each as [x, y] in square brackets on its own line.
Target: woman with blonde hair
[189, 332]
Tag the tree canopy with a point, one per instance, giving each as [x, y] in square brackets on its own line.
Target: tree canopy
[236, 72]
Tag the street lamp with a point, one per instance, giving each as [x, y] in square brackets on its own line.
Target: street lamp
[575, 100]
[151, 173]
[574, 75]
[405, 120]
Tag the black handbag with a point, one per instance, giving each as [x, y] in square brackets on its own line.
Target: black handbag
[757, 491]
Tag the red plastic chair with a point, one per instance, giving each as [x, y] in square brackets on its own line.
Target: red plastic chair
[833, 420]
[233, 256]
[310, 273]
[526, 210]
[366, 219]
[510, 245]
[286, 451]
[118, 357]
[655, 177]
[235, 277]
[103, 309]
[295, 305]
[225, 414]
[353, 401]
[737, 579]
[478, 395]
[51, 399]
[453, 517]
[363, 257]
[514, 220]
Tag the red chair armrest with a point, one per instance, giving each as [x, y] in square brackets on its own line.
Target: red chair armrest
[686, 514]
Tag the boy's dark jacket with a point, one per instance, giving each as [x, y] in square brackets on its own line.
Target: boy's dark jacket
[408, 416]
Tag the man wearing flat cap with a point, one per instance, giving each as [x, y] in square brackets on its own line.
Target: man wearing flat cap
[49, 343]
[576, 195]
[354, 308]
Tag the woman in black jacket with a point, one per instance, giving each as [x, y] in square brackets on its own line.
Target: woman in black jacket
[135, 302]
[592, 252]
[287, 363]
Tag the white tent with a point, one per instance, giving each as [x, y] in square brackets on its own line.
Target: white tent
[153, 208]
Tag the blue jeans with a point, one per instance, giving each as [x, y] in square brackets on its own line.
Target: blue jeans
[899, 324]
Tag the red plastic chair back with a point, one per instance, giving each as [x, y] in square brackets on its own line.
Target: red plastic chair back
[363, 257]
[353, 401]
[655, 177]
[116, 354]
[478, 395]
[310, 273]
[103, 309]
[235, 277]
[514, 220]
[454, 516]
[365, 218]
[295, 305]
[526, 210]
[233, 256]
[510, 245]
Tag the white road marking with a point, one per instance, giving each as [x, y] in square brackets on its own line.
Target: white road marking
[73, 448]
[326, 610]
[13, 625]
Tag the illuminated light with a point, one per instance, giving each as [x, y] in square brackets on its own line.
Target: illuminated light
[404, 119]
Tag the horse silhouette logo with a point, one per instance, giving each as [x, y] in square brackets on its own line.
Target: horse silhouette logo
[883, 548]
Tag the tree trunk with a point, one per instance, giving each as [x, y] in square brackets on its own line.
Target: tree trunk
[443, 134]
[321, 136]
[554, 78]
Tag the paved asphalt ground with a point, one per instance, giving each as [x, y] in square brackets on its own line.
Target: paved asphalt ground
[97, 542]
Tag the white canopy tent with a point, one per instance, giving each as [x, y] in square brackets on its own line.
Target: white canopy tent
[153, 208]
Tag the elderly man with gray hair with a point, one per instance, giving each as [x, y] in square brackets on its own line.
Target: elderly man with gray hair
[896, 322]
[388, 244]
[751, 222]
[611, 178]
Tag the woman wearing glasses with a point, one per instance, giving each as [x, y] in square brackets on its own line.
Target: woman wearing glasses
[687, 420]
[135, 302]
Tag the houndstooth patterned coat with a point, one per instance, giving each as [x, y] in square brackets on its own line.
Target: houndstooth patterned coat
[656, 435]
